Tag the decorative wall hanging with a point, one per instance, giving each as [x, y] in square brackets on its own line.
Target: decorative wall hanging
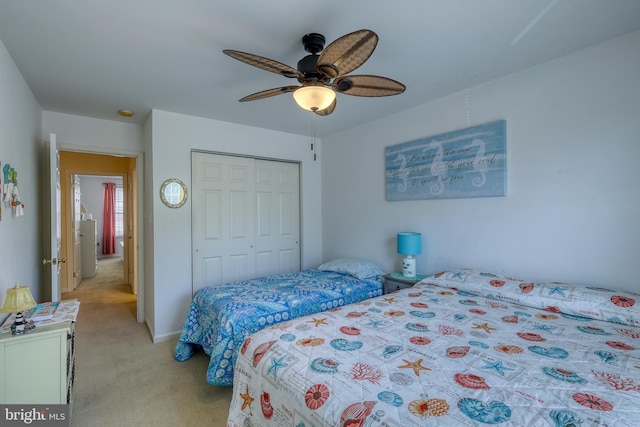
[11, 194]
[173, 193]
[469, 162]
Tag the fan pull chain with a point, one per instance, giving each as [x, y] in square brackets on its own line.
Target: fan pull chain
[466, 104]
[313, 136]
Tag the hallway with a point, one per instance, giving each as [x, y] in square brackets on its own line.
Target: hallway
[107, 287]
[122, 377]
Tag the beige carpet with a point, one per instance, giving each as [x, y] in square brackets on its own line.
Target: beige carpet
[122, 378]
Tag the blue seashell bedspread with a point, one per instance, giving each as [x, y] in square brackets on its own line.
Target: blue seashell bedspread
[221, 317]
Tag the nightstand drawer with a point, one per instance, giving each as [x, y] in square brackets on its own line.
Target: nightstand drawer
[395, 281]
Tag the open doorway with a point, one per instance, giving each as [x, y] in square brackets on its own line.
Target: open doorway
[82, 180]
[98, 228]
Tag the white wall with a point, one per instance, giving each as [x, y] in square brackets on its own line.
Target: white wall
[147, 214]
[86, 133]
[21, 147]
[173, 137]
[573, 202]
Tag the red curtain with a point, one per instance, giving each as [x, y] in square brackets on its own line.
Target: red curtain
[109, 219]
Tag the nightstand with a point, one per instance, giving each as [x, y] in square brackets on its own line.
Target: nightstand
[38, 367]
[396, 281]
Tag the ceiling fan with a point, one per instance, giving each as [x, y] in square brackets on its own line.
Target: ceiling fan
[324, 74]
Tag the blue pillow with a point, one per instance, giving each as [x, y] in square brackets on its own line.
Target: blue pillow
[357, 268]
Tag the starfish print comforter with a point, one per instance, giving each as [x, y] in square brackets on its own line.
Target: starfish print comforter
[460, 348]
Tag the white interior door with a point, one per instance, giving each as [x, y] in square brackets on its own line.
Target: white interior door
[223, 226]
[245, 218]
[52, 223]
[277, 217]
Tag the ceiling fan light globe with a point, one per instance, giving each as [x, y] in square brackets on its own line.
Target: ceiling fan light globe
[314, 98]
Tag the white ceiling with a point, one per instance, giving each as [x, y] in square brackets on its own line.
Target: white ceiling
[94, 57]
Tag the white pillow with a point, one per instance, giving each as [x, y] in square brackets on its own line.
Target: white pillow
[357, 268]
[594, 302]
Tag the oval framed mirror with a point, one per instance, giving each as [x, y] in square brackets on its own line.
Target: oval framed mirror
[173, 193]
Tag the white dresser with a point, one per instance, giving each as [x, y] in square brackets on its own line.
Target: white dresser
[38, 367]
[88, 248]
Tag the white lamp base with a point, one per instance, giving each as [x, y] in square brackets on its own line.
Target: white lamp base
[409, 267]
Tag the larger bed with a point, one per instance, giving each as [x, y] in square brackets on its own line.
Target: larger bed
[460, 348]
[221, 317]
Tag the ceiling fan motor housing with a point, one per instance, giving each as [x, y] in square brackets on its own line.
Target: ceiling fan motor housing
[313, 42]
[307, 66]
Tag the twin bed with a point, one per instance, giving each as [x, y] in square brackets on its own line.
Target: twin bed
[221, 317]
[460, 348]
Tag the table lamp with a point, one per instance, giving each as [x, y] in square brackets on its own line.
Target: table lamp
[17, 300]
[409, 244]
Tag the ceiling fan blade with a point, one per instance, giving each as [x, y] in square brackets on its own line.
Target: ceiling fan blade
[347, 53]
[327, 110]
[264, 63]
[366, 85]
[268, 93]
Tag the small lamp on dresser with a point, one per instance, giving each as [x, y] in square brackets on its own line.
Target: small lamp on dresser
[17, 300]
[409, 244]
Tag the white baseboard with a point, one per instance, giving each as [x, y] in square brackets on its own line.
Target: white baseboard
[162, 338]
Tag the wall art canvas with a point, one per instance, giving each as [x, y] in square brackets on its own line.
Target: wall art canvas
[470, 162]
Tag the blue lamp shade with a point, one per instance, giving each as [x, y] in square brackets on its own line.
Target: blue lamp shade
[409, 243]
